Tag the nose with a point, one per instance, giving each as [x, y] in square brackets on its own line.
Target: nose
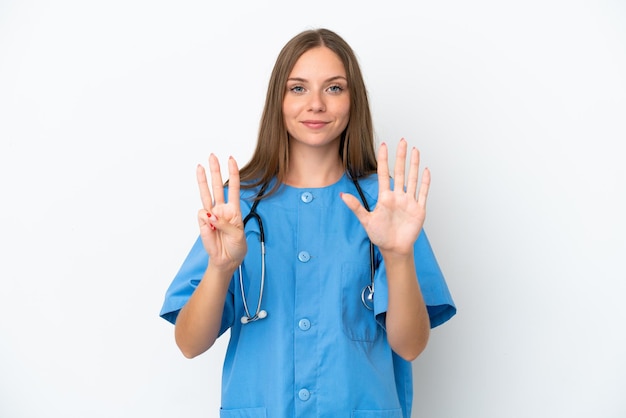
[316, 103]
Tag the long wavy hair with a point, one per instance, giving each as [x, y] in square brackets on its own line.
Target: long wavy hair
[271, 155]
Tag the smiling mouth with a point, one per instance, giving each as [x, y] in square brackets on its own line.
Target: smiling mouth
[314, 124]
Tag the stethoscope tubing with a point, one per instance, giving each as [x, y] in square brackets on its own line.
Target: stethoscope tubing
[369, 288]
[367, 299]
[258, 313]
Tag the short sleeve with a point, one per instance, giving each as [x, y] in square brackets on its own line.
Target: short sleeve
[186, 281]
[434, 288]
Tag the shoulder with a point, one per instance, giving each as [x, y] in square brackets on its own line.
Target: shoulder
[249, 191]
[369, 184]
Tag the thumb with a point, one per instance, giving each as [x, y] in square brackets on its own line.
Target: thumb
[355, 206]
[228, 228]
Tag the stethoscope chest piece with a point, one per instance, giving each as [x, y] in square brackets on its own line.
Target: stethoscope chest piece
[367, 297]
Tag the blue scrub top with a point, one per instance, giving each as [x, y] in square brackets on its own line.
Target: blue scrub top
[319, 352]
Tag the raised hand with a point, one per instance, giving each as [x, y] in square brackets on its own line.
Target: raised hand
[396, 221]
[221, 224]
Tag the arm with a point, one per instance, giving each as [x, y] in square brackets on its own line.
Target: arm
[222, 233]
[407, 322]
[199, 321]
[394, 226]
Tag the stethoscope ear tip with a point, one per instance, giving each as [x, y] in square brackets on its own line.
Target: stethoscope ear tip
[247, 319]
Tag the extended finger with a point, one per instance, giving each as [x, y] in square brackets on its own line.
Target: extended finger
[398, 169]
[205, 193]
[233, 183]
[414, 166]
[383, 168]
[217, 184]
[424, 187]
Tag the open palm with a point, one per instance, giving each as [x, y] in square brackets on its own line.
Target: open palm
[396, 221]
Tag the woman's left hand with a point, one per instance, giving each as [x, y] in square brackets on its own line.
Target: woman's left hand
[397, 220]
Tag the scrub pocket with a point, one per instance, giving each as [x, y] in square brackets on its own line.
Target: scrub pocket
[243, 413]
[358, 322]
[389, 413]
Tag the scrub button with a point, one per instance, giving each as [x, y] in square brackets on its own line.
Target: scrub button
[306, 197]
[304, 324]
[304, 395]
[304, 256]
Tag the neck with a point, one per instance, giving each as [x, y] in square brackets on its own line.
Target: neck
[314, 169]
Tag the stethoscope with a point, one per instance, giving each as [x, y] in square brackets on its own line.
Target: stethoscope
[367, 294]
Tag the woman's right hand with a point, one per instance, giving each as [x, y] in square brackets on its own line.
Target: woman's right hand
[221, 224]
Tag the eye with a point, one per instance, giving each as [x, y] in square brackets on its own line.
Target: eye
[335, 88]
[297, 89]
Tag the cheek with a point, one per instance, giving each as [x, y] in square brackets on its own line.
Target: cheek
[290, 108]
[289, 115]
[342, 105]
[344, 112]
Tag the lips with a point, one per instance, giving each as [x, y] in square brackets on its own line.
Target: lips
[314, 124]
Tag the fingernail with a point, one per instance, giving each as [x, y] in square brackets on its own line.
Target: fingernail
[212, 227]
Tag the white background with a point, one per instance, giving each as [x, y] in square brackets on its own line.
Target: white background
[519, 110]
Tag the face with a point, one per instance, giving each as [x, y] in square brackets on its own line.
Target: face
[316, 106]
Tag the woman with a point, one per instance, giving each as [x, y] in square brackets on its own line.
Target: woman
[330, 288]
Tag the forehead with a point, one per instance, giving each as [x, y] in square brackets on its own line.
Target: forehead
[318, 62]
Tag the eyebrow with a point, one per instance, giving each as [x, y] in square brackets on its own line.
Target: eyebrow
[337, 77]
